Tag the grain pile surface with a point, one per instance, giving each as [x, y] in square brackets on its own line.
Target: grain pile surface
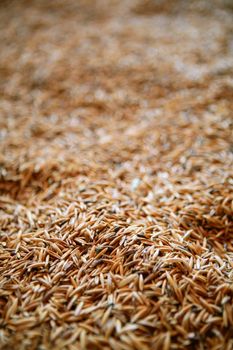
[116, 187]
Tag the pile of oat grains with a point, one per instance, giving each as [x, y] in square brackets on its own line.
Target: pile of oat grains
[116, 186]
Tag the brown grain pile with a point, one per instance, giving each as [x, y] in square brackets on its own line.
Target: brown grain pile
[116, 206]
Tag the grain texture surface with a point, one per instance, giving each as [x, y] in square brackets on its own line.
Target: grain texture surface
[116, 186]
